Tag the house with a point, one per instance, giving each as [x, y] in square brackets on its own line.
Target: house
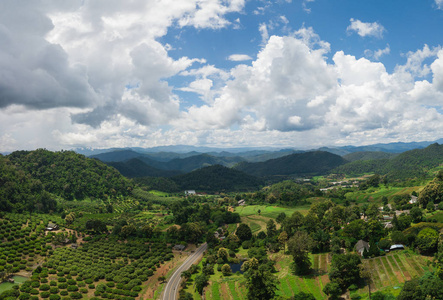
[51, 226]
[190, 193]
[413, 199]
[241, 202]
[397, 247]
[74, 246]
[179, 247]
[361, 246]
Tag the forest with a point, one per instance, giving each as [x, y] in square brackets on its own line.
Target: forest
[328, 235]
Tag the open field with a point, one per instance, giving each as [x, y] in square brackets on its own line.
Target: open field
[269, 211]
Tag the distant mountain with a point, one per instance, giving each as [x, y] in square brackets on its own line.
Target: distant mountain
[137, 168]
[298, 164]
[410, 164]
[369, 155]
[217, 178]
[398, 147]
[117, 155]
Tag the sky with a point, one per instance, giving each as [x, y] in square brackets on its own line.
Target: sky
[220, 73]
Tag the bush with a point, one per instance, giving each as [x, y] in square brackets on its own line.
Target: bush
[72, 288]
[64, 293]
[45, 294]
[54, 297]
[76, 295]
[62, 285]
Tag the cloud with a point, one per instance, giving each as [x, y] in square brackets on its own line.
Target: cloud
[85, 54]
[263, 28]
[366, 29]
[377, 54]
[292, 89]
[239, 57]
[439, 4]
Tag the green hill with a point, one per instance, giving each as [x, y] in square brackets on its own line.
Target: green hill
[410, 164]
[368, 155]
[217, 178]
[68, 174]
[298, 164]
[136, 167]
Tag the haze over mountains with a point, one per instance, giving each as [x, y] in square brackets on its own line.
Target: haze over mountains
[380, 158]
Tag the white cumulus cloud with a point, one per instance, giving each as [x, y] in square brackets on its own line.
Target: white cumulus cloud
[366, 29]
[239, 57]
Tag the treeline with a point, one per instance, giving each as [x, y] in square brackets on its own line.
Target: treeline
[30, 180]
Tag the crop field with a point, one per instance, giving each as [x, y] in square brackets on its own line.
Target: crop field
[391, 271]
[388, 274]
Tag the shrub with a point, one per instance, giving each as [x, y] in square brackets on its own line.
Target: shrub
[45, 294]
[64, 293]
[44, 287]
[54, 297]
[76, 295]
[72, 288]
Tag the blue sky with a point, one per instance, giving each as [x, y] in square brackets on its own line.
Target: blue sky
[222, 73]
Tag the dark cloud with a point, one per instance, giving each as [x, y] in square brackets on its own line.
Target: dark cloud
[34, 72]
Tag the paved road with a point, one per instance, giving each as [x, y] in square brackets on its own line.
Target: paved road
[173, 284]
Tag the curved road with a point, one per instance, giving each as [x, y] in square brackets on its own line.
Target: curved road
[173, 284]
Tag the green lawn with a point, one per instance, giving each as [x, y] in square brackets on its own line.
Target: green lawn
[269, 211]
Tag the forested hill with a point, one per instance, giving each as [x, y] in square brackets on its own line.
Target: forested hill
[298, 164]
[217, 178]
[368, 155]
[410, 164]
[137, 168]
[66, 174]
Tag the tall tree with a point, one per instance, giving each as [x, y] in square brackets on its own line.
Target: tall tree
[299, 246]
[260, 282]
[244, 232]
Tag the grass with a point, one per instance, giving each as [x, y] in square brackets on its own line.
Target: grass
[269, 211]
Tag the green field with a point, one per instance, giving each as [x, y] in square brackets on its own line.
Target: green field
[376, 194]
[269, 211]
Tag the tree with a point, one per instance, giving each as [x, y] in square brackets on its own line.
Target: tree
[244, 232]
[372, 212]
[345, 269]
[427, 240]
[333, 290]
[226, 270]
[200, 282]
[281, 217]
[223, 254]
[260, 282]
[271, 228]
[299, 246]
[411, 291]
[416, 214]
[282, 239]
